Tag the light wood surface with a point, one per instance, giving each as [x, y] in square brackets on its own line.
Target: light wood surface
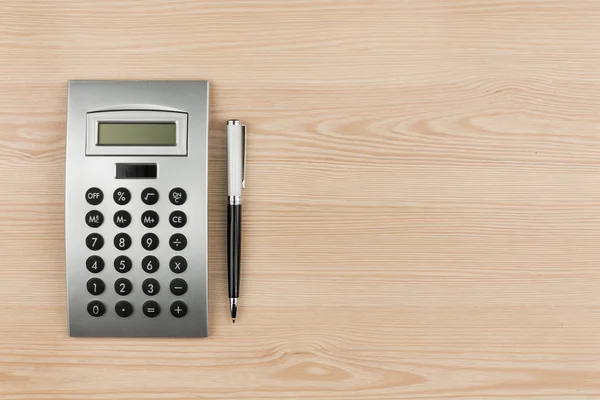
[422, 213]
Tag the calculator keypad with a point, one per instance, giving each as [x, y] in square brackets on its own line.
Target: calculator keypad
[123, 286]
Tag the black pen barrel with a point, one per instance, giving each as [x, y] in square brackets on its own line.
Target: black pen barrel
[234, 248]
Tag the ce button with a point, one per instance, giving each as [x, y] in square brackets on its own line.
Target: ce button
[177, 219]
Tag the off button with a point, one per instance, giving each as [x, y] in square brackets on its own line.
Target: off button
[94, 196]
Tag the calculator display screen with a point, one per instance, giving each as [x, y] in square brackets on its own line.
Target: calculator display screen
[137, 134]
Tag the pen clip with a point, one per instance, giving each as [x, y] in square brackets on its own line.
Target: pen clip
[244, 158]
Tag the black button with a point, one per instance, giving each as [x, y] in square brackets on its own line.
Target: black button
[122, 219]
[149, 241]
[122, 264]
[178, 309]
[178, 287]
[177, 242]
[122, 241]
[150, 219]
[94, 196]
[94, 241]
[150, 264]
[96, 308]
[177, 219]
[94, 264]
[150, 196]
[94, 218]
[122, 196]
[123, 309]
[95, 286]
[178, 264]
[123, 286]
[177, 196]
[150, 286]
[151, 309]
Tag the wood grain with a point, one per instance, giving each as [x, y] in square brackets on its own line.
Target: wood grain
[422, 215]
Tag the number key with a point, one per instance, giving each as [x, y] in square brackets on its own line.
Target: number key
[122, 241]
[96, 308]
[150, 286]
[150, 264]
[150, 241]
[123, 286]
[95, 286]
[94, 264]
[94, 241]
[122, 264]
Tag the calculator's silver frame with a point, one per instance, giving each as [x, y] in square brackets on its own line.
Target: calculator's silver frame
[189, 172]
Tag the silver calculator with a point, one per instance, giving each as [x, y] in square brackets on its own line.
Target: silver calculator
[136, 208]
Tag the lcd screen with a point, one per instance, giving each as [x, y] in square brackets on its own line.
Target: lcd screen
[137, 134]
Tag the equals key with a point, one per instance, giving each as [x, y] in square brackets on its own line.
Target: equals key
[151, 309]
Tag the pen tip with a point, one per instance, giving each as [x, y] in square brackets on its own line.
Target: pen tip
[233, 308]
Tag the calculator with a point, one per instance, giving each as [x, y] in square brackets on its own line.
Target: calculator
[136, 208]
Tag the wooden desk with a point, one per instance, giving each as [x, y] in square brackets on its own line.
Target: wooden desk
[422, 215]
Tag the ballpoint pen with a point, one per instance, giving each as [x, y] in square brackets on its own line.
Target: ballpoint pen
[236, 181]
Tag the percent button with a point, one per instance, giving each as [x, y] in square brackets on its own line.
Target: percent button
[122, 196]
